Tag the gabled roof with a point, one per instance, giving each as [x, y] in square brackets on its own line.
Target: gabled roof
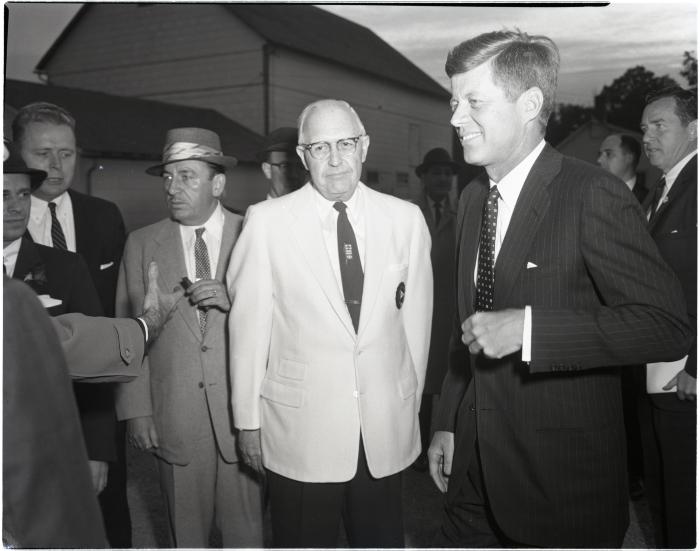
[318, 33]
[117, 126]
[587, 126]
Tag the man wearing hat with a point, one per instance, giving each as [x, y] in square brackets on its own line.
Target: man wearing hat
[437, 175]
[179, 408]
[280, 163]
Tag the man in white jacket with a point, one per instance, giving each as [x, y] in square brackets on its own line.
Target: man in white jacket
[331, 290]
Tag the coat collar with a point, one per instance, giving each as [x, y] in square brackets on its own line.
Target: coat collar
[684, 181]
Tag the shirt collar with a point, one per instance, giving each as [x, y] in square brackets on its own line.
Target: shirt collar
[40, 206]
[512, 183]
[12, 248]
[214, 226]
[672, 174]
[325, 207]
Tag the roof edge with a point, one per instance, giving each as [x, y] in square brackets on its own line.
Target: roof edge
[61, 37]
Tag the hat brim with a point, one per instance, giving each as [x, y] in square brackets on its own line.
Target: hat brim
[36, 177]
[421, 168]
[223, 161]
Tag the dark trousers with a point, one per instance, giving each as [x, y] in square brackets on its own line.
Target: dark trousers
[669, 439]
[308, 514]
[113, 501]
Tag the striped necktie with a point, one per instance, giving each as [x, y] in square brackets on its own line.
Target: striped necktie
[57, 236]
[202, 269]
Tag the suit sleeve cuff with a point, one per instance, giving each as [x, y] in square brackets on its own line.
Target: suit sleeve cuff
[527, 335]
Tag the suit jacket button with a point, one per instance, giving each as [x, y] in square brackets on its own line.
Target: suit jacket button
[355, 394]
[472, 408]
[204, 348]
[201, 385]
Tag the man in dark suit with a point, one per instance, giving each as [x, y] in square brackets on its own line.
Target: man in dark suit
[669, 123]
[619, 154]
[62, 280]
[66, 219]
[280, 163]
[437, 174]
[530, 447]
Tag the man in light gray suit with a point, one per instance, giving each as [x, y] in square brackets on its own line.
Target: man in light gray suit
[179, 409]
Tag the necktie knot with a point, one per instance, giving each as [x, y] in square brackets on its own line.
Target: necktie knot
[52, 207]
[340, 206]
[198, 232]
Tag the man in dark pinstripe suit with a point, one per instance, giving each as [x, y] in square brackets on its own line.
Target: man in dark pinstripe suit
[530, 446]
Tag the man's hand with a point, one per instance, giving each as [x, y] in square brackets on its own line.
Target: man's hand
[440, 453]
[250, 449]
[496, 334]
[141, 433]
[686, 386]
[157, 306]
[209, 293]
[98, 471]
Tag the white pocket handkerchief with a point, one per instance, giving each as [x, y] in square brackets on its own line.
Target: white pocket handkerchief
[48, 301]
[531, 265]
[105, 266]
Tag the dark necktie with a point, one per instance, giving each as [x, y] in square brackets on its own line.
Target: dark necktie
[438, 214]
[350, 265]
[487, 253]
[656, 199]
[202, 269]
[57, 236]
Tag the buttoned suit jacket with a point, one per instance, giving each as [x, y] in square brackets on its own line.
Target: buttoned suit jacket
[675, 231]
[299, 371]
[442, 256]
[550, 433]
[68, 279]
[184, 384]
[99, 239]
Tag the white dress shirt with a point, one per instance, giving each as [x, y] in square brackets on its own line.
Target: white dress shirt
[509, 189]
[672, 175]
[329, 223]
[213, 232]
[9, 256]
[39, 225]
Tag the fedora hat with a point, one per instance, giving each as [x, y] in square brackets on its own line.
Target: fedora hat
[14, 164]
[192, 144]
[285, 138]
[437, 156]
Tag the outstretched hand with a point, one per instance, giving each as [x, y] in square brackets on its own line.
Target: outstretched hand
[158, 306]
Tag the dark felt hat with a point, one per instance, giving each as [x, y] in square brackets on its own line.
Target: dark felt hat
[14, 164]
[437, 156]
[192, 144]
[285, 138]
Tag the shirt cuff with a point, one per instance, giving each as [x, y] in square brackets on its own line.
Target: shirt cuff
[144, 328]
[527, 335]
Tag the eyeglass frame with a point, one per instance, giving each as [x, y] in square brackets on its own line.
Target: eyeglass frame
[354, 139]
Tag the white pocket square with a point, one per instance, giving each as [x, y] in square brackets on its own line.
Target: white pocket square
[48, 301]
[531, 265]
[105, 266]
[674, 231]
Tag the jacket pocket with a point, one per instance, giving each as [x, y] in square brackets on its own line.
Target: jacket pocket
[291, 369]
[282, 394]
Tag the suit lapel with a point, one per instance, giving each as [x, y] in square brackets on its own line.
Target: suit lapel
[529, 209]
[682, 183]
[81, 224]
[469, 229]
[172, 268]
[378, 237]
[228, 238]
[27, 258]
[308, 234]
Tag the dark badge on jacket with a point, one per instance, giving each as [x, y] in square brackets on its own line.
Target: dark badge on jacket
[400, 294]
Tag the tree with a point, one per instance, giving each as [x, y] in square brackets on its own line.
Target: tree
[622, 102]
[690, 69]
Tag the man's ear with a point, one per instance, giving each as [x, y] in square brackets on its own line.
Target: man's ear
[267, 170]
[218, 183]
[693, 129]
[530, 103]
[364, 144]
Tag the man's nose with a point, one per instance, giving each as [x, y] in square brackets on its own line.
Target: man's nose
[334, 156]
[55, 161]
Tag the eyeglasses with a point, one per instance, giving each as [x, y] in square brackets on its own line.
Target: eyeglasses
[285, 165]
[321, 150]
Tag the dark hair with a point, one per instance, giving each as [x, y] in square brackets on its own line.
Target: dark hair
[631, 145]
[40, 111]
[519, 61]
[686, 102]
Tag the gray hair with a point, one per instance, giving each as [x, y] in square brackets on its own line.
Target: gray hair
[301, 121]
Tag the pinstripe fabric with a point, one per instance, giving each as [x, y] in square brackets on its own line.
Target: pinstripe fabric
[551, 435]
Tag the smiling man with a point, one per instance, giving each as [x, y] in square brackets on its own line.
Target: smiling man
[329, 332]
[179, 409]
[559, 283]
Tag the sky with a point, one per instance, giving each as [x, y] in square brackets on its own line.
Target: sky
[597, 44]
